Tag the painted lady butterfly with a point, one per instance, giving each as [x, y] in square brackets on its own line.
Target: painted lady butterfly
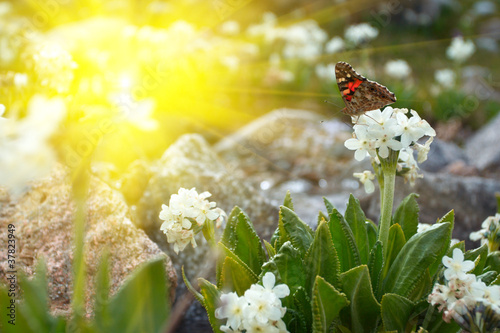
[360, 94]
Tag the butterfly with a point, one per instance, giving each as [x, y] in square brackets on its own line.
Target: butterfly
[360, 94]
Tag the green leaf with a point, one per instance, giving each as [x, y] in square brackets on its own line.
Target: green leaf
[407, 215]
[329, 207]
[211, 297]
[101, 310]
[141, 304]
[396, 312]
[248, 247]
[288, 201]
[302, 303]
[493, 262]
[271, 252]
[196, 294]
[422, 287]
[375, 264]
[35, 305]
[497, 196]
[450, 218]
[372, 232]
[396, 242]
[229, 238]
[293, 229]
[364, 309]
[344, 242]
[287, 265]
[416, 256]
[481, 253]
[326, 304]
[321, 258]
[236, 276]
[222, 259]
[488, 277]
[356, 218]
[460, 245]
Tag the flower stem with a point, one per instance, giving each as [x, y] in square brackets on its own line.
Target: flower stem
[387, 196]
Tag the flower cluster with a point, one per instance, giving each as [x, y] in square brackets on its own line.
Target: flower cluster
[489, 233]
[54, 66]
[360, 33]
[460, 50]
[376, 133]
[398, 69]
[463, 294]
[259, 310]
[186, 215]
[25, 150]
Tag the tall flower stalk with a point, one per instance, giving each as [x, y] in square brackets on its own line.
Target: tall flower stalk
[390, 138]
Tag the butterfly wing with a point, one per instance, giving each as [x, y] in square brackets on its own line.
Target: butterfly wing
[359, 94]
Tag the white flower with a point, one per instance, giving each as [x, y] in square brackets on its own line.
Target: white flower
[259, 310]
[362, 144]
[186, 207]
[25, 153]
[360, 33]
[303, 40]
[137, 113]
[445, 77]
[398, 69]
[423, 226]
[334, 45]
[20, 80]
[423, 150]
[366, 178]
[230, 28]
[232, 62]
[386, 141]
[456, 267]
[54, 67]
[489, 227]
[231, 308]
[326, 72]
[460, 50]
[409, 129]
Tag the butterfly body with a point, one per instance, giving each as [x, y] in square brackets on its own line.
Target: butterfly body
[360, 94]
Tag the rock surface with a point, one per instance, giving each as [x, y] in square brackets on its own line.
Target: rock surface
[43, 219]
[483, 149]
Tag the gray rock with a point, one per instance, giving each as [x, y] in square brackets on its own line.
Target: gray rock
[286, 144]
[483, 149]
[43, 219]
[441, 155]
[472, 199]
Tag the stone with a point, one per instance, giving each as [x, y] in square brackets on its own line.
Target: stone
[483, 149]
[443, 154]
[43, 218]
[286, 144]
[471, 198]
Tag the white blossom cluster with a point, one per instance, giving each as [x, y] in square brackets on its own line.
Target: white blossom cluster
[398, 69]
[463, 292]
[54, 66]
[376, 132]
[25, 152]
[360, 33]
[490, 231]
[460, 50]
[186, 214]
[258, 310]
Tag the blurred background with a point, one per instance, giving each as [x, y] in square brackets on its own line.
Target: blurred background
[132, 76]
